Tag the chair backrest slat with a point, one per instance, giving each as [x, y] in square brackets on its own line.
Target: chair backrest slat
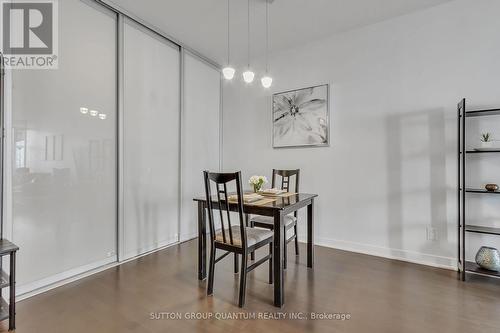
[208, 195]
[284, 183]
[228, 215]
[219, 201]
[222, 203]
[285, 180]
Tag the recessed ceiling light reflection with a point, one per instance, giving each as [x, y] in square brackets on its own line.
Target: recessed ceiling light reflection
[102, 116]
[94, 113]
[84, 110]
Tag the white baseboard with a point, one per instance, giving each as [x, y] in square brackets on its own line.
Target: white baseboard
[54, 280]
[187, 237]
[373, 250]
[153, 247]
[58, 280]
[397, 254]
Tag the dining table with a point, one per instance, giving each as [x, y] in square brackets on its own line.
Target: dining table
[280, 206]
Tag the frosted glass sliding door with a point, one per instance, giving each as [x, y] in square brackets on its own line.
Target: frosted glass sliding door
[151, 123]
[200, 135]
[64, 197]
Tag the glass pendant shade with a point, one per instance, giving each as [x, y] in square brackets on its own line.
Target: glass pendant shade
[248, 76]
[266, 81]
[228, 72]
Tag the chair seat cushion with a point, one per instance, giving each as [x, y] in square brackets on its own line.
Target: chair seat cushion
[254, 236]
[287, 220]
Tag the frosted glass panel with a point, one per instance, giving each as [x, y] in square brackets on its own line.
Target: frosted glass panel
[200, 135]
[151, 141]
[63, 160]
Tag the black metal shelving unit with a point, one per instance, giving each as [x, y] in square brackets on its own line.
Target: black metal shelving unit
[463, 228]
[7, 311]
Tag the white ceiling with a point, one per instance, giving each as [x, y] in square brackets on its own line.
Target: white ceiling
[201, 24]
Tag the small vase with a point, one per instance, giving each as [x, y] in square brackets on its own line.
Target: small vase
[488, 258]
[488, 144]
[256, 188]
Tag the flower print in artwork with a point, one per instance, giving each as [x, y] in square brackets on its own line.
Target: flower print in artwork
[300, 117]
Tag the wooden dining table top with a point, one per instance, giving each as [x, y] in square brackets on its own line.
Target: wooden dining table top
[278, 203]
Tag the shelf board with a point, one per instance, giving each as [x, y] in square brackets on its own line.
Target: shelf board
[4, 310]
[482, 151]
[479, 113]
[472, 267]
[480, 190]
[482, 230]
[7, 247]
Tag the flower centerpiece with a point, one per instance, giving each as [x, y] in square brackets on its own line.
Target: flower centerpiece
[257, 182]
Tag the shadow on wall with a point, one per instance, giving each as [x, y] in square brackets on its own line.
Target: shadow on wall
[416, 182]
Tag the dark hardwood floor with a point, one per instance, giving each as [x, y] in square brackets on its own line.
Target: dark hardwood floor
[380, 295]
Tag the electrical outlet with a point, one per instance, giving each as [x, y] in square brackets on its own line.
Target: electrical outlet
[432, 234]
[110, 254]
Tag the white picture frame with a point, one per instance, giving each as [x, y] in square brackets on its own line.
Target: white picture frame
[301, 117]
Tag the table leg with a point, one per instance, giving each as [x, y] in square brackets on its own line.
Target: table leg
[202, 242]
[279, 239]
[12, 287]
[310, 234]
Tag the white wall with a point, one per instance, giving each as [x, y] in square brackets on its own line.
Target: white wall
[390, 171]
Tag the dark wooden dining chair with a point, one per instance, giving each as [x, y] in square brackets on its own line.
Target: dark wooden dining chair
[233, 238]
[290, 221]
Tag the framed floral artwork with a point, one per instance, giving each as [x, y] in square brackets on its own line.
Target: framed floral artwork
[301, 117]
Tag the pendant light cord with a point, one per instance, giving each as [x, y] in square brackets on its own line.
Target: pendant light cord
[228, 32]
[248, 31]
[267, 36]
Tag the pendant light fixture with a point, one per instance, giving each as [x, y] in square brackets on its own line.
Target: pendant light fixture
[228, 71]
[248, 75]
[266, 80]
